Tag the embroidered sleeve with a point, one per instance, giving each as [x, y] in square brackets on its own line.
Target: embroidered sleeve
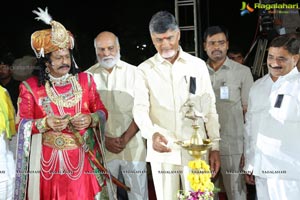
[95, 102]
[26, 105]
[41, 125]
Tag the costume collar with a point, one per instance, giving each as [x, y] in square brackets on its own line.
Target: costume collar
[62, 78]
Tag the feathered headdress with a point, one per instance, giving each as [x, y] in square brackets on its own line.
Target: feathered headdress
[49, 40]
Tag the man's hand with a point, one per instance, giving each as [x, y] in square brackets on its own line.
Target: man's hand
[114, 145]
[57, 123]
[159, 143]
[214, 162]
[81, 121]
[249, 178]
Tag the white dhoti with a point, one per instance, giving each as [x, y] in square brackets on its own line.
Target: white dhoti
[277, 189]
[135, 177]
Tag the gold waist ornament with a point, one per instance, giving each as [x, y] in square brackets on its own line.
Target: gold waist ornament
[60, 141]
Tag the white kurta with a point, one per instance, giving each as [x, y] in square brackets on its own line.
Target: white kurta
[116, 90]
[117, 93]
[272, 128]
[161, 90]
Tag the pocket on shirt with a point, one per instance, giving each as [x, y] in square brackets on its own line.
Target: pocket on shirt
[286, 110]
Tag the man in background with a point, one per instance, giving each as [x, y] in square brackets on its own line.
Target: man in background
[231, 82]
[7, 131]
[6, 77]
[235, 53]
[126, 150]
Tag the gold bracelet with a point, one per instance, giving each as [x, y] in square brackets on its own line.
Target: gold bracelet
[41, 124]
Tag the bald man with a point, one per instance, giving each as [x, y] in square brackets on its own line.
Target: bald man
[125, 148]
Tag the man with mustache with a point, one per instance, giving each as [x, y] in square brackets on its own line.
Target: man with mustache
[273, 124]
[125, 148]
[231, 82]
[59, 107]
[164, 84]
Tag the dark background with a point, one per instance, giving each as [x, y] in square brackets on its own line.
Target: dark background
[128, 19]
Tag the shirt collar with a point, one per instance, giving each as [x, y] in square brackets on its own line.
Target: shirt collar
[289, 75]
[226, 65]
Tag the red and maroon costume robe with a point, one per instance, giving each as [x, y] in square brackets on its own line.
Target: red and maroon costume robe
[34, 105]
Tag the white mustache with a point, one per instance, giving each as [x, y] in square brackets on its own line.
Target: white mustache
[108, 58]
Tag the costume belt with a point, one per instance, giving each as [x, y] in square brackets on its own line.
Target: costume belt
[60, 141]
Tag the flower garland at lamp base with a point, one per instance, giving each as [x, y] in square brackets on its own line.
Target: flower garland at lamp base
[200, 182]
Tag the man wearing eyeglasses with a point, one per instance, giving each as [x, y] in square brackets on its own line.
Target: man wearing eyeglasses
[231, 82]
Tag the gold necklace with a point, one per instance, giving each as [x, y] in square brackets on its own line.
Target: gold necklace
[59, 99]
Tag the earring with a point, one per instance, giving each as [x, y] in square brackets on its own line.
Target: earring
[47, 70]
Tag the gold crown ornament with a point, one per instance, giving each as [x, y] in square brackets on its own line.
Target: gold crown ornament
[49, 40]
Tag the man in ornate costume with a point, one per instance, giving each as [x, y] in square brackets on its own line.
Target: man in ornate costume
[58, 109]
[7, 130]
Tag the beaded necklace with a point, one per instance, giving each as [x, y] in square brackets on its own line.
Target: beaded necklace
[61, 100]
[72, 98]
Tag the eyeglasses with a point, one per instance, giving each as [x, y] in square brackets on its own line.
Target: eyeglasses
[219, 43]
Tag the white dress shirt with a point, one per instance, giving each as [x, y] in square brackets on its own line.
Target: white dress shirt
[273, 126]
[161, 90]
[116, 90]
